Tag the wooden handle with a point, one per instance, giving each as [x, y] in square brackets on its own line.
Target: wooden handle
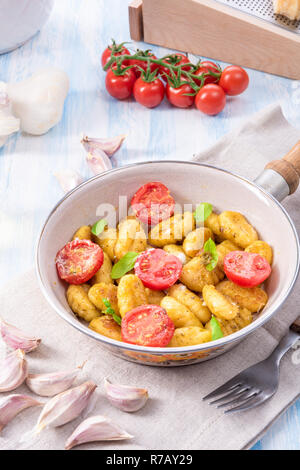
[289, 167]
[135, 11]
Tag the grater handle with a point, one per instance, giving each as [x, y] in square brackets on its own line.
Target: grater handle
[288, 167]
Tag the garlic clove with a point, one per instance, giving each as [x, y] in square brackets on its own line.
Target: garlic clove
[13, 371]
[124, 397]
[16, 339]
[96, 428]
[39, 100]
[68, 179]
[98, 162]
[4, 100]
[11, 405]
[65, 406]
[109, 146]
[48, 385]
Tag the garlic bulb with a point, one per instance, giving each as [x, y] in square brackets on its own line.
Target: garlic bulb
[124, 397]
[16, 339]
[13, 371]
[11, 405]
[39, 100]
[48, 385]
[96, 428]
[65, 406]
[68, 179]
[8, 123]
[109, 146]
[98, 162]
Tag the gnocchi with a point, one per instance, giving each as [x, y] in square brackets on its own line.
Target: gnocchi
[77, 297]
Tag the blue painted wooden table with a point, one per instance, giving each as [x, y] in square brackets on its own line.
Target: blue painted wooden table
[73, 39]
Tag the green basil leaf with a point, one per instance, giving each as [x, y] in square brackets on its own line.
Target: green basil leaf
[210, 247]
[117, 319]
[110, 311]
[216, 330]
[99, 226]
[106, 303]
[124, 265]
[202, 212]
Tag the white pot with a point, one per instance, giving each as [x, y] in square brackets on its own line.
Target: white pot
[20, 20]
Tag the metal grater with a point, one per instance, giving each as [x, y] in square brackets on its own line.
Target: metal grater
[263, 9]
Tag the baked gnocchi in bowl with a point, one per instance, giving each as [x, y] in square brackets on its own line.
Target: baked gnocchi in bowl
[164, 288]
[160, 279]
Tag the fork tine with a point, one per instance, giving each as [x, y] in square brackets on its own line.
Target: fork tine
[234, 393]
[258, 399]
[240, 399]
[227, 387]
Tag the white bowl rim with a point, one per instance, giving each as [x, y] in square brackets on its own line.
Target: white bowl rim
[235, 337]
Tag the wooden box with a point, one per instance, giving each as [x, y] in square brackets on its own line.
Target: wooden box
[213, 29]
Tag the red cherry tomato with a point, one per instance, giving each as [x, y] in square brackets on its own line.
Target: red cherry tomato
[153, 203]
[157, 269]
[143, 64]
[120, 86]
[149, 94]
[205, 67]
[119, 50]
[179, 96]
[246, 269]
[181, 59]
[210, 99]
[147, 325]
[234, 80]
[78, 261]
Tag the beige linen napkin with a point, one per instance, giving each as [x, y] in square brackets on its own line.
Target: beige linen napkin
[175, 416]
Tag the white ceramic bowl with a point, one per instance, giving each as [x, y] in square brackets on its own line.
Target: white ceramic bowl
[188, 182]
[20, 20]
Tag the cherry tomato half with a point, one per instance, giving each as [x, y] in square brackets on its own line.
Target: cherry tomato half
[120, 86]
[180, 97]
[143, 64]
[205, 67]
[120, 50]
[182, 59]
[153, 203]
[246, 269]
[210, 99]
[147, 325]
[78, 261]
[149, 94]
[157, 269]
[234, 80]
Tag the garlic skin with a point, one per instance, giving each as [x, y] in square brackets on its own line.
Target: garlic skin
[68, 179]
[65, 406]
[16, 339]
[98, 162]
[11, 405]
[96, 428]
[48, 385]
[109, 146]
[124, 397]
[13, 371]
[39, 100]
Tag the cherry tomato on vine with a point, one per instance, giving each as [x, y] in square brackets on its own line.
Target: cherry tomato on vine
[210, 99]
[153, 203]
[147, 325]
[143, 64]
[246, 269]
[149, 94]
[157, 269]
[78, 261]
[116, 49]
[183, 59]
[205, 67]
[179, 96]
[234, 80]
[120, 86]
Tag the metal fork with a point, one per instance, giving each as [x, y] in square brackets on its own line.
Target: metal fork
[258, 383]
